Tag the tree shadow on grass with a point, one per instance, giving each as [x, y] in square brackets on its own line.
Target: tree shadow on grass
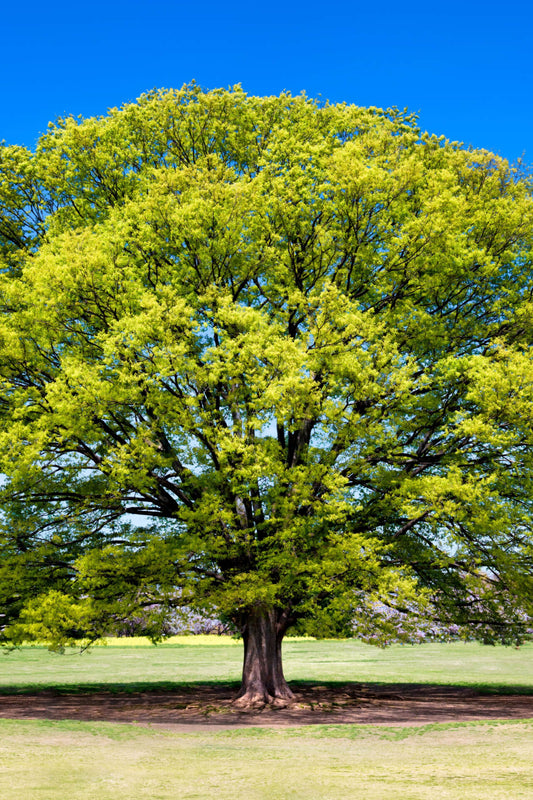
[207, 703]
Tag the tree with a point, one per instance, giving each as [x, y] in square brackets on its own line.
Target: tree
[265, 359]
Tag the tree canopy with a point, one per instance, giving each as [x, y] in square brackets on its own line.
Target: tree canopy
[268, 359]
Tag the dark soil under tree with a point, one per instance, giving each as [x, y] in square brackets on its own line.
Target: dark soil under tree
[213, 706]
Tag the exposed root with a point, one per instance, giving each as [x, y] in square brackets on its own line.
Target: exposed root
[252, 702]
[259, 700]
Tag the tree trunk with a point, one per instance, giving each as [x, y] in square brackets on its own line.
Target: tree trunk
[262, 673]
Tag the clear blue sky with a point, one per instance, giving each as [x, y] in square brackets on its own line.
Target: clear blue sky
[465, 67]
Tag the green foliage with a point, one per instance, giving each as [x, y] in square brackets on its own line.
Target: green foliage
[52, 617]
[294, 339]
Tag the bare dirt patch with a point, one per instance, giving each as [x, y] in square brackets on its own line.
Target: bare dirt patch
[211, 706]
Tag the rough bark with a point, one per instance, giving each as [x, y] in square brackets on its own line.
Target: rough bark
[263, 682]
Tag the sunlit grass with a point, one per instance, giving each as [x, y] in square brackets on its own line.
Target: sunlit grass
[44, 760]
[135, 664]
[49, 760]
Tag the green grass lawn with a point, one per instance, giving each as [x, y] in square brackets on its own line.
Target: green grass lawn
[88, 761]
[43, 760]
[201, 659]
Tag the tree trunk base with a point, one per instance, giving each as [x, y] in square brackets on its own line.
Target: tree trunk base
[260, 699]
[263, 683]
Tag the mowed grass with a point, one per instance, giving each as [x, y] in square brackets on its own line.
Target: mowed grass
[134, 664]
[81, 761]
[45, 760]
